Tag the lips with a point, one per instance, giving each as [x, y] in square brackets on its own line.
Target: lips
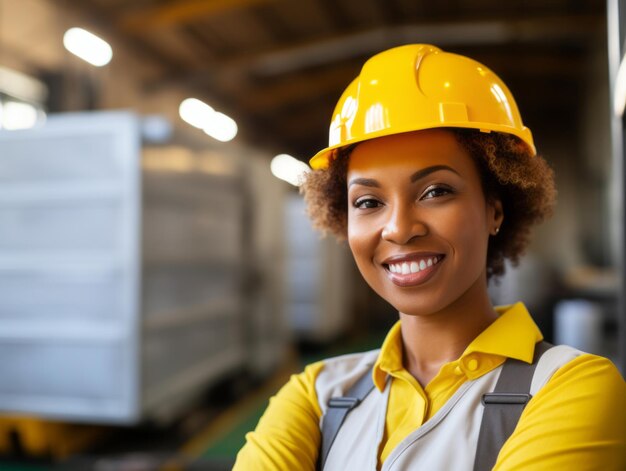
[413, 269]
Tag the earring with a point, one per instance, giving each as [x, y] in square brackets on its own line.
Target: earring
[497, 230]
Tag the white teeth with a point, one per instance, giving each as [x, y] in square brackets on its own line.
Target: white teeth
[406, 268]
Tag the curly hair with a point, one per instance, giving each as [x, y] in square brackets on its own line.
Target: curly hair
[523, 182]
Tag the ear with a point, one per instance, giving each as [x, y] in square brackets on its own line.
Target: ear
[495, 215]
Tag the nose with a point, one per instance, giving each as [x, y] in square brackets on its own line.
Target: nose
[403, 225]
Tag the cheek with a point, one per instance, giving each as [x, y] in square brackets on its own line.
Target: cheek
[362, 242]
[356, 241]
[454, 221]
[468, 227]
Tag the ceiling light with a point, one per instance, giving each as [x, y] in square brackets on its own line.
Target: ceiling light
[21, 86]
[202, 116]
[87, 46]
[289, 168]
[17, 115]
[195, 112]
[221, 127]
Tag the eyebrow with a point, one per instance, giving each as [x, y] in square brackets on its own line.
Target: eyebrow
[416, 176]
[428, 170]
[364, 182]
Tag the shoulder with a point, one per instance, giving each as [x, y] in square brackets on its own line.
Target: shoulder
[564, 372]
[585, 400]
[300, 389]
[564, 364]
[340, 373]
[288, 434]
[348, 363]
[550, 362]
[585, 375]
[304, 387]
[576, 420]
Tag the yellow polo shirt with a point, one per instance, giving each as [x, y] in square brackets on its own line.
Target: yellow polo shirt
[576, 421]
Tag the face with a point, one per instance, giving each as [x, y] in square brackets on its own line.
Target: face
[418, 221]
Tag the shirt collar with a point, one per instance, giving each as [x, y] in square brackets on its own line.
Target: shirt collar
[390, 357]
[513, 335]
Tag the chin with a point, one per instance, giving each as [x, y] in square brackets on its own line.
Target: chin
[415, 304]
[428, 299]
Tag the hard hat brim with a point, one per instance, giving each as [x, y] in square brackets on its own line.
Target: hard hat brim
[321, 160]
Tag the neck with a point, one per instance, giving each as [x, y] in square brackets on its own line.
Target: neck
[432, 340]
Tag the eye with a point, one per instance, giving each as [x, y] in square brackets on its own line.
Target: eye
[367, 203]
[436, 191]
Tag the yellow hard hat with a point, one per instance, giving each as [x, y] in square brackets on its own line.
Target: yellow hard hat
[419, 86]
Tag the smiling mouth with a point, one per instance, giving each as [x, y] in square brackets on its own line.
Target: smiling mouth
[412, 271]
[413, 266]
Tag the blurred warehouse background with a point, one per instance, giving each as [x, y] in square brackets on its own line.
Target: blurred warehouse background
[159, 278]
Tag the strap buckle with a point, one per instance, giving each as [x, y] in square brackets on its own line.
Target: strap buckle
[505, 398]
[344, 402]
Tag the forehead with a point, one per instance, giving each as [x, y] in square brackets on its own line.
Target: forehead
[411, 151]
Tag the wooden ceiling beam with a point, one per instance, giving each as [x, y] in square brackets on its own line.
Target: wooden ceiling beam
[389, 12]
[303, 87]
[531, 64]
[179, 12]
[336, 14]
[444, 34]
[335, 49]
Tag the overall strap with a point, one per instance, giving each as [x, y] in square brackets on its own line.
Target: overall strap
[338, 408]
[504, 406]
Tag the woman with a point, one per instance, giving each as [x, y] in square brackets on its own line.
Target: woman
[434, 181]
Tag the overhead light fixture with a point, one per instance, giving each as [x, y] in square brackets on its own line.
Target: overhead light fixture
[17, 115]
[202, 116]
[21, 86]
[195, 112]
[221, 127]
[87, 46]
[289, 169]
